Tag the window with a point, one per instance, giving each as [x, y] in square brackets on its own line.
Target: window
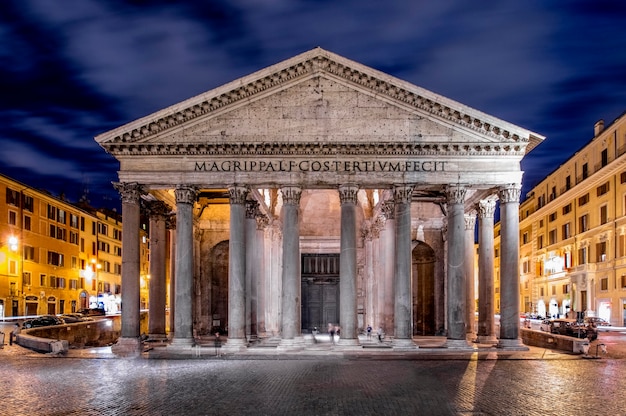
[28, 203]
[103, 229]
[621, 241]
[568, 259]
[566, 231]
[525, 238]
[604, 283]
[602, 189]
[52, 212]
[55, 259]
[583, 223]
[540, 241]
[583, 200]
[541, 201]
[540, 223]
[553, 193]
[58, 232]
[117, 250]
[73, 284]
[53, 281]
[61, 216]
[623, 281]
[582, 255]
[26, 278]
[553, 290]
[604, 216]
[568, 183]
[12, 197]
[565, 289]
[552, 237]
[526, 267]
[117, 268]
[585, 171]
[42, 280]
[567, 209]
[73, 220]
[29, 253]
[74, 237]
[12, 218]
[103, 246]
[13, 267]
[61, 282]
[74, 262]
[117, 234]
[601, 252]
[27, 223]
[552, 217]
[605, 157]
[622, 177]
[542, 294]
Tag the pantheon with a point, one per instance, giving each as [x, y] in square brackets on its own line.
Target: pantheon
[315, 191]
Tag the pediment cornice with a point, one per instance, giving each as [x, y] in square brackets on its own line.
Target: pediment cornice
[133, 137]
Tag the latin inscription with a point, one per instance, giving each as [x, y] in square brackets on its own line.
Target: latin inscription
[320, 166]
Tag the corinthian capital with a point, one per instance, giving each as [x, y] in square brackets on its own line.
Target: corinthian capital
[130, 192]
[186, 194]
[158, 209]
[291, 195]
[237, 194]
[251, 209]
[348, 194]
[510, 193]
[402, 194]
[456, 194]
[486, 208]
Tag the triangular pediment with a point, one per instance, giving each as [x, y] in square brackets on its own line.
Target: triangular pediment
[322, 100]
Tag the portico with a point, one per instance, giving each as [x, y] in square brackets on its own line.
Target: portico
[368, 177]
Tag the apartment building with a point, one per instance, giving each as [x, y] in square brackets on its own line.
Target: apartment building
[573, 233]
[58, 257]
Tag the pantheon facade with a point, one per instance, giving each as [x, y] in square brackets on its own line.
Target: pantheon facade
[317, 191]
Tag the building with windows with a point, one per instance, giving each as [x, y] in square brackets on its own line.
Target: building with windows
[57, 257]
[573, 233]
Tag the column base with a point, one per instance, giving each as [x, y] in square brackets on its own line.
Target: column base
[157, 337]
[403, 344]
[487, 339]
[294, 344]
[348, 344]
[127, 347]
[233, 345]
[181, 343]
[512, 345]
[458, 344]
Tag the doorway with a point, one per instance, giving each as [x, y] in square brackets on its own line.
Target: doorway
[423, 276]
[320, 291]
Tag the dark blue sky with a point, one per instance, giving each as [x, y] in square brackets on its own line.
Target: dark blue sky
[71, 69]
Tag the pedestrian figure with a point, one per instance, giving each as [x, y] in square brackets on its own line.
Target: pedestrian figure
[218, 344]
[14, 333]
[380, 334]
[369, 332]
[331, 332]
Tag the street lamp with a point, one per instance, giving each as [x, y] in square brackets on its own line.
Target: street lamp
[97, 267]
[13, 243]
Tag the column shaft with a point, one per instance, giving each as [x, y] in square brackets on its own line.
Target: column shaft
[291, 265]
[403, 311]
[509, 266]
[347, 265]
[456, 267]
[486, 305]
[157, 288]
[237, 266]
[470, 226]
[130, 332]
[183, 318]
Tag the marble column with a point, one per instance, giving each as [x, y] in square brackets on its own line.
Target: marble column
[260, 274]
[486, 303]
[347, 266]
[251, 267]
[171, 225]
[509, 268]
[129, 343]
[183, 317]
[387, 259]
[291, 275]
[403, 305]
[456, 310]
[157, 290]
[470, 227]
[237, 268]
[370, 283]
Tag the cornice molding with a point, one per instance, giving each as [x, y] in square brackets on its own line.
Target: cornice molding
[128, 139]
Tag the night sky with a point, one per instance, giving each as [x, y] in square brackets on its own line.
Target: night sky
[72, 69]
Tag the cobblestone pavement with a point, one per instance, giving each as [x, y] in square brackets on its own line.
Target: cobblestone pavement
[89, 383]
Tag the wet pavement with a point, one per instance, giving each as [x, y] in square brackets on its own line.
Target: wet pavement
[93, 381]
